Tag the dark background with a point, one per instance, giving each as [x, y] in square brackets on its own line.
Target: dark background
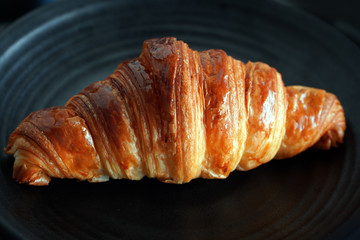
[344, 15]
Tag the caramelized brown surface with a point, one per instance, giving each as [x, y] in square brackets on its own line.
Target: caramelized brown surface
[175, 114]
[314, 117]
[54, 142]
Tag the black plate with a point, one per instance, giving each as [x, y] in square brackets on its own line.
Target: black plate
[54, 52]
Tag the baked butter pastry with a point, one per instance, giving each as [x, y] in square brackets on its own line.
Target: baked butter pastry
[175, 114]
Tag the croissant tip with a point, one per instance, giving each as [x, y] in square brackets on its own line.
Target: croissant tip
[9, 148]
[6, 149]
[332, 138]
[34, 179]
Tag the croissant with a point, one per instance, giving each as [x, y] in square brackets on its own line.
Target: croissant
[175, 114]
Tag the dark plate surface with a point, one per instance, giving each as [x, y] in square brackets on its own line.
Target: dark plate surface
[52, 53]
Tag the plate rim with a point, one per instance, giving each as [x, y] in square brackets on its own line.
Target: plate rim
[32, 20]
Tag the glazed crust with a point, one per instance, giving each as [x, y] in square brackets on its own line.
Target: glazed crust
[175, 114]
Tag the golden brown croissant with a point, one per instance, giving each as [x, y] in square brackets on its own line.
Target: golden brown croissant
[175, 114]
